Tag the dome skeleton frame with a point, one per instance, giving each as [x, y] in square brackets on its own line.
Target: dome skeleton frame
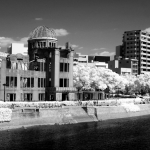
[42, 32]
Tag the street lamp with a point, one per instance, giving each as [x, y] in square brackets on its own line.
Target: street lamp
[4, 90]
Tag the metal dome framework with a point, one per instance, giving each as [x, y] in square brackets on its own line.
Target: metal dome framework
[42, 32]
[42, 37]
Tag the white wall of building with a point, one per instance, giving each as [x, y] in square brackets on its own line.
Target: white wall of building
[97, 64]
[126, 71]
[19, 48]
[82, 58]
[101, 64]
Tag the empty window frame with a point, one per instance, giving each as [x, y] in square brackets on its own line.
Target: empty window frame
[41, 82]
[61, 82]
[11, 81]
[28, 96]
[26, 82]
[41, 96]
[64, 82]
[11, 96]
[64, 67]
[61, 67]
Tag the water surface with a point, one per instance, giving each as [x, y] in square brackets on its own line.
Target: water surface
[117, 134]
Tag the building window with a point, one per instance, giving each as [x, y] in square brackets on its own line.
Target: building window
[41, 96]
[26, 82]
[28, 96]
[49, 82]
[32, 82]
[41, 82]
[61, 82]
[11, 81]
[61, 67]
[8, 63]
[7, 81]
[64, 82]
[11, 96]
[64, 67]
[38, 82]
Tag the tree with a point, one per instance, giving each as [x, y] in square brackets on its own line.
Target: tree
[143, 83]
[96, 79]
[81, 78]
[130, 87]
[90, 77]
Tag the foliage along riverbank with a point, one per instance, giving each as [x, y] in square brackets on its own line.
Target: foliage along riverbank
[87, 77]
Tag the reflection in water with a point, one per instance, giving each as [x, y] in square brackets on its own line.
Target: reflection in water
[123, 134]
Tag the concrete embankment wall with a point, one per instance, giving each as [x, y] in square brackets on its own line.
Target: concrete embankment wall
[30, 117]
[42, 116]
[70, 114]
[116, 112]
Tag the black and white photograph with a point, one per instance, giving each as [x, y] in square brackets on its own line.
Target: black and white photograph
[74, 74]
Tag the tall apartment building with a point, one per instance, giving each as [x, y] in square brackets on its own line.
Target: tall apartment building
[136, 45]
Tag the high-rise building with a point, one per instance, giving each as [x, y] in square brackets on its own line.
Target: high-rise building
[136, 45]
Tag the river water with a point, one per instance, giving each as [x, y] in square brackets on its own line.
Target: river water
[131, 133]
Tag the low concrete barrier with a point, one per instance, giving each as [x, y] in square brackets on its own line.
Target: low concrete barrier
[116, 112]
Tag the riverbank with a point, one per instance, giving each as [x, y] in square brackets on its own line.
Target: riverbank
[23, 118]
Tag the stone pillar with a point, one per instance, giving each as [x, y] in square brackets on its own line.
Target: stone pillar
[47, 95]
[55, 65]
[71, 69]
[3, 80]
[35, 91]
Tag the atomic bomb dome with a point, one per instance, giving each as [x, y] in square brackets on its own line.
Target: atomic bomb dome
[42, 32]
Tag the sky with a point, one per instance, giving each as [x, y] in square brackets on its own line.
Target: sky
[92, 27]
